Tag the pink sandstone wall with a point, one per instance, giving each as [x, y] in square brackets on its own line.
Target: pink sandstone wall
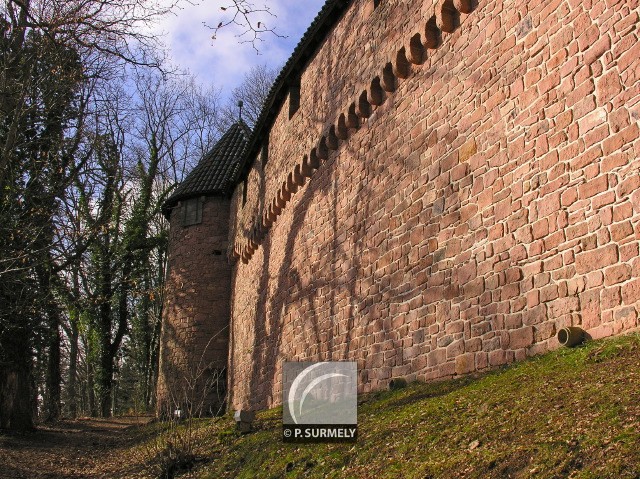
[195, 334]
[491, 198]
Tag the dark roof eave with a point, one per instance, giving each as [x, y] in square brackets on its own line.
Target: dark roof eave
[168, 205]
[326, 19]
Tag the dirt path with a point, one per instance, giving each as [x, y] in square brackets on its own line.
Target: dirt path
[82, 448]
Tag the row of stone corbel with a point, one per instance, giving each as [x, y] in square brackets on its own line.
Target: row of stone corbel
[446, 20]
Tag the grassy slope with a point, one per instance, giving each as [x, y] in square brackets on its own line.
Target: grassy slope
[570, 413]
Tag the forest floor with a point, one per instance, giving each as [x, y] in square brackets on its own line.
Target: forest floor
[572, 413]
[80, 448]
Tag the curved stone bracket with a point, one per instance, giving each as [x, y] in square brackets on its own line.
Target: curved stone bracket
[376, 94]
[388, 79]
[448, 18]
[401, 65]
[363, 107]
[352, 118]
[341, 130]
[416, 51]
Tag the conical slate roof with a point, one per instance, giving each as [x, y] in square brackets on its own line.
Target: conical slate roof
[214, 173]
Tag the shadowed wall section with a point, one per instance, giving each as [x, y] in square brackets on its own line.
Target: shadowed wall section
[195, 332]
[195, 324]
[460, 180]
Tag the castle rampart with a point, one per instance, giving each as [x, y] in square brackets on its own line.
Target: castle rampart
[443, 187]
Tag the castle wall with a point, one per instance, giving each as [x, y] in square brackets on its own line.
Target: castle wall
[492, 198]
[195, 334]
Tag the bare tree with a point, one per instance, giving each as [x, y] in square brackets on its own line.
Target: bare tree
[102, 33]
[145, 134]
[42, 159]
[251, 94]
[62, 153]
[54, 54]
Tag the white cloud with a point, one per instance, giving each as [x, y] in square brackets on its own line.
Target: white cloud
[222, 62]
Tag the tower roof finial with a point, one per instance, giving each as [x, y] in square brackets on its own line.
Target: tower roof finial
[240, 105]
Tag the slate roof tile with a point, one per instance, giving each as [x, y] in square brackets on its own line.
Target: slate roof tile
[215, 172]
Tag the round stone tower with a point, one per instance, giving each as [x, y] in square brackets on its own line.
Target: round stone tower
[195, 323]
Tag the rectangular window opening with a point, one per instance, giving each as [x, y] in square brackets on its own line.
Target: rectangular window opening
[264, 153]
[192, 212]
[294, 99]
[245, 184]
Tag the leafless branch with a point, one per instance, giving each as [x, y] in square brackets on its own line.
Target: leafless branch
[248, 18]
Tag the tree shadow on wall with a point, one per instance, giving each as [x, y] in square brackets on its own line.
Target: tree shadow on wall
[191, 375]
[354, 308]
[337, 333]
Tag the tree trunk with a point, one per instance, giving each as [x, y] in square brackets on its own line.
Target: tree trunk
[91, 395]
[54, 376]
[153, 364]
[16, 396]
[105, 376]
[72, 382]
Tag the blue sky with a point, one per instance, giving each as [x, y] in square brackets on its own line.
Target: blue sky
[222, 62]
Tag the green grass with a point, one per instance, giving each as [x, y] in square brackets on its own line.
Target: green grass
[572, 413]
